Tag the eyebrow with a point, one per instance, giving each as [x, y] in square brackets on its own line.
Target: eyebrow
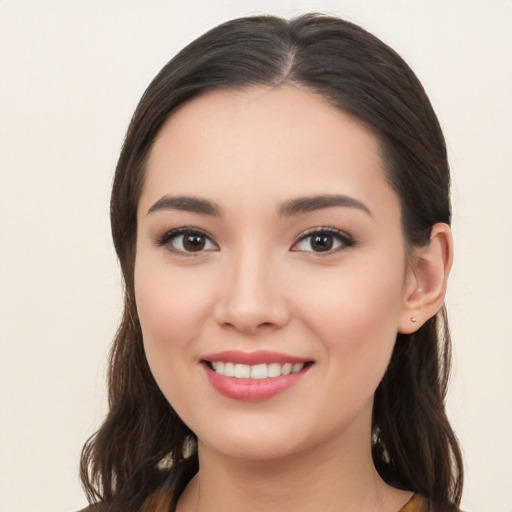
[186, 204]
[312, 203]
[295, 206]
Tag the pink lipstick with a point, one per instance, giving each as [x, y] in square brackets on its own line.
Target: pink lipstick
[253, 376]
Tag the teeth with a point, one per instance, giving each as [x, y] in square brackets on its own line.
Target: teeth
[297, 367]
[242, 371]
[286, 369]
[274, 370]
[257, 371]
[229, 370]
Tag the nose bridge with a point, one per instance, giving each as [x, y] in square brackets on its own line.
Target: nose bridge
[251, 295]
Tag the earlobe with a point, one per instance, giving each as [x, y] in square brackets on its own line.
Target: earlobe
[429, 270]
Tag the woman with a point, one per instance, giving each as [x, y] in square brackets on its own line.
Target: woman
[281, 213]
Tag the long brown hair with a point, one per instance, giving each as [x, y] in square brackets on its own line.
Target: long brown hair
[414, 446]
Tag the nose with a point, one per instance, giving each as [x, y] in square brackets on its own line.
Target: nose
[252, 296]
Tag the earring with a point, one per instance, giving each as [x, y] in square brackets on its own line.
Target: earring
[413, 319]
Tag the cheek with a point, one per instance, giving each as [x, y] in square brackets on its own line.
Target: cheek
[360, 298]
[169, 303]
[171, 309]
[355, 315]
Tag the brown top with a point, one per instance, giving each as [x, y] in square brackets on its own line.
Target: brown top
[415, 504]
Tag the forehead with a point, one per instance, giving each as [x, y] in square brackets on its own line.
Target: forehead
[263, 144]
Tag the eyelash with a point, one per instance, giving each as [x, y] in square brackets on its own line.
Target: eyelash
[167, 238]
[344, 239]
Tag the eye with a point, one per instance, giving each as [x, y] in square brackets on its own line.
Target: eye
[323, 240]
[187, 241]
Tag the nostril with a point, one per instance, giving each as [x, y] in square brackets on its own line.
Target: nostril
[234, 312]
[255, 328]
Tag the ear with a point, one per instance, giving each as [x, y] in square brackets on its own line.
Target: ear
[425, 286]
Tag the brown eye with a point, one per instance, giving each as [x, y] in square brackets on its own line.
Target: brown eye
[186, 241]
[194, 242]
[325, 240]
[320, 243]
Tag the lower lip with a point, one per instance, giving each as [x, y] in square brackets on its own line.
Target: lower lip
[252, 389]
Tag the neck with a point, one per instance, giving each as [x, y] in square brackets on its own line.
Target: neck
[339, 478]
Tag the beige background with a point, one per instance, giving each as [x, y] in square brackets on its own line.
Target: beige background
[71, 73]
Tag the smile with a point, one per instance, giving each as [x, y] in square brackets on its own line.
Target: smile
[254, 376]
[257, 371]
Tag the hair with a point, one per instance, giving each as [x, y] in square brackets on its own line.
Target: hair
[414, 446]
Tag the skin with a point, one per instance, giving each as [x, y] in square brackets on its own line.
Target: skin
[260, 284]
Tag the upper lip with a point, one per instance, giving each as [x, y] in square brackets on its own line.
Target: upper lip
[253, 358]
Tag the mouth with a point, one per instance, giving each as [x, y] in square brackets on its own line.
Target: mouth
[254, 376]
[256, 372]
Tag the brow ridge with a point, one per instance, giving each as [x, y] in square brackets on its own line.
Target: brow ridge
[307, 204]
[292, 207]
[186, 204]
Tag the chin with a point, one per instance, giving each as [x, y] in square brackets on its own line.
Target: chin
[238, 449]
[258, 443]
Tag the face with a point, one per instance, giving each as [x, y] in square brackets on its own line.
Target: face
[270, 271]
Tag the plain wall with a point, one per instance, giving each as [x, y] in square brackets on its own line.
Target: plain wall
[71, 73]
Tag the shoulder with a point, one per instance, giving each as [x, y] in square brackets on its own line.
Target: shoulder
[420, 504]
[416, 504]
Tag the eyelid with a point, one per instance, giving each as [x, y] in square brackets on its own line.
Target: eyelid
[166, 238]
[343, 237]
[345, 240]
